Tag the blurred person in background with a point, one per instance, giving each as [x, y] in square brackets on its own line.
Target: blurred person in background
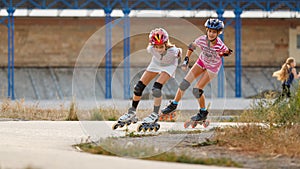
[286, 75]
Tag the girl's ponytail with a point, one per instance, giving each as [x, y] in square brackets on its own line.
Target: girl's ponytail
[283, 73]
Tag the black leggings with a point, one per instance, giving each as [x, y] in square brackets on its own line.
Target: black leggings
[286, 90]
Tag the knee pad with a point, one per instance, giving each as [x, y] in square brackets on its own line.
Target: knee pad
[197, 92]
[156, 90]
[139, 88]
[184, 85]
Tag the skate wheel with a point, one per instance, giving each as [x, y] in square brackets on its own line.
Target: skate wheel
[206, 123]
[115, 126]
[160, 118]
[128, 123]
[139, 128]
[144, 129]
[194, 124]
[163, 117]
[135, 121]
[174, 114]
[121, 125]
[171, 117]
[167, 117]
[186, 124]
[150, 129]
[157, 127]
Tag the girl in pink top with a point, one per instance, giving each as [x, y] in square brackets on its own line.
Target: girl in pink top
[208, 65]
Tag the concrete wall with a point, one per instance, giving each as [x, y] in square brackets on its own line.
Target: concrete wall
[43, 42]
[294, 50]
[86, 84]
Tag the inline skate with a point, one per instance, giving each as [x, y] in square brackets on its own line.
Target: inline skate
[199, 118]
[168, 113]
[126, 119]
[149, 123]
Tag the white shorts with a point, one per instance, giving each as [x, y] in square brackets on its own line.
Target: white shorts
[170, 69]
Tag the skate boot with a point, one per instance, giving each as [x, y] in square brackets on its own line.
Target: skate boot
[202, 115]
[170, 108]
[126, 119]
[168, 113]
[149, 123]
[199, 118]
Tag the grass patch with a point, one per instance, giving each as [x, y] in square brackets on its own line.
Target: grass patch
[73, 112]
[266, 94]
[173, 157]
[278, 112]
[230, 119]
[108, 114]
[28, 167]
[134, 134]
[19, 110]
[205, 143]
[138, 150]
[273, 128]
[184, 131]
[261, 140]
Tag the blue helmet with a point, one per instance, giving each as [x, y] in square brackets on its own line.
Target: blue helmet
[214, 24]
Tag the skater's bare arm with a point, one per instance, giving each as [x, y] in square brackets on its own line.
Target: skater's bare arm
[295, 73]
[189, 52]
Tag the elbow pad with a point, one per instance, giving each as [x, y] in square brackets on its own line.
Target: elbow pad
[191, 47]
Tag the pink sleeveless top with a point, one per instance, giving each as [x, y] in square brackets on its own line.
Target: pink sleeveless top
[209, 57]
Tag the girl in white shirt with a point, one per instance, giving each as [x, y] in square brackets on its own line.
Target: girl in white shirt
[163, 64]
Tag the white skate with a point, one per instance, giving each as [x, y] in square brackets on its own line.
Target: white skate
[149, 123]
[126, 119]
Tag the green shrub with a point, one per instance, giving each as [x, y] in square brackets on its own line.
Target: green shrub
[274, 112]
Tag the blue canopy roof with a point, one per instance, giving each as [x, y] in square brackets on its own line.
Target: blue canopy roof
[265, 5]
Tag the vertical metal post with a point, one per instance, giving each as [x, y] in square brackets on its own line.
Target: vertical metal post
[221, 84]
[238, 63]
[8, 55]
[126, 53]
[11, 55]
[108, 53]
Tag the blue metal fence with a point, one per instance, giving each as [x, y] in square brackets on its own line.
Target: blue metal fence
[8, 21]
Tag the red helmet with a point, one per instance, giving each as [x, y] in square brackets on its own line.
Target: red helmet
[158, 36]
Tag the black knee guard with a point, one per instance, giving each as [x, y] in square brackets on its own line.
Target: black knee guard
[184, 85]
[139, 88]
[156, 90]
[197, 92]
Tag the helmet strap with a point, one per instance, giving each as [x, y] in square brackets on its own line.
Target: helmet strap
[210, 41]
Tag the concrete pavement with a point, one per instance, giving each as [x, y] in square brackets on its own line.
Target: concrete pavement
[48, 145]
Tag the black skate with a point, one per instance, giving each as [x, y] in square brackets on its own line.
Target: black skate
[126, 119]
[199, 118]
[170, 108]
[149, 123]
